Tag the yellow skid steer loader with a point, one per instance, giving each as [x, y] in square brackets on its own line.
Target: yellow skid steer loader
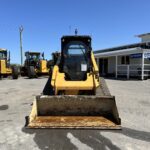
[74, 95]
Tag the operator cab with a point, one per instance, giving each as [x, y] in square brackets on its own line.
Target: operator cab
[32, 58]
[75, 57]
[32, 55]
[3, 54]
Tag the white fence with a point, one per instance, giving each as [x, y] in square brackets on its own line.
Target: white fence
[133, 70]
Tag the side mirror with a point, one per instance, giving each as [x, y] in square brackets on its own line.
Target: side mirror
[43, 55]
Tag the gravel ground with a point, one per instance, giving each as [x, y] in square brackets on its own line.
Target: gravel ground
[133, 101]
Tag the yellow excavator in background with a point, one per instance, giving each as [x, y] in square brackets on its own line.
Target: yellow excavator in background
[74, 95]
[5, 68]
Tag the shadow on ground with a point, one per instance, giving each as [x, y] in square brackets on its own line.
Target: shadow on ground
[4, 107]
[40, 77]
[57, 138]
[135, 134]
[50, 138]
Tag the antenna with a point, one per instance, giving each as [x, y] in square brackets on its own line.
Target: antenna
[76, 32]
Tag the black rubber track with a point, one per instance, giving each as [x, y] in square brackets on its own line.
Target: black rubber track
[15, 72]
[103, 90]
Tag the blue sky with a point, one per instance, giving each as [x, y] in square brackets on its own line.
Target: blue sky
[109, 22]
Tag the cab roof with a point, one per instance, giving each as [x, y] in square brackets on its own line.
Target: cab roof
[76, 37]
[3, 50]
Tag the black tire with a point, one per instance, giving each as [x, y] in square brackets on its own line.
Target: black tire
[1, 77]
[23, 71]
[102, 90]
[31, 72]
[48, 89]
[15, 72]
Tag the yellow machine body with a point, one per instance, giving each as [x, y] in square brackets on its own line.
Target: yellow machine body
[43, 67]
[4, 70]
[72, 87]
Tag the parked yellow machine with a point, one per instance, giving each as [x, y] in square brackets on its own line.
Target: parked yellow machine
[5, 68]
[75, 96]
[34, 65]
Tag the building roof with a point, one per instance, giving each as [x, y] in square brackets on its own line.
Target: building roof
[3, 49]
[141, 35]
[145, 45]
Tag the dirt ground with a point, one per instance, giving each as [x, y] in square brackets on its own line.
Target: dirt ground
[133, 101]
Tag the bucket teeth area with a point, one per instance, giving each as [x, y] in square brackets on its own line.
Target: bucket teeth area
[73, 122]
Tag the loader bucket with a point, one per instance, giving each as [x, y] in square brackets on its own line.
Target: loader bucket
[92, 112]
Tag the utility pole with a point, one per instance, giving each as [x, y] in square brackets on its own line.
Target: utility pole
[21, 51]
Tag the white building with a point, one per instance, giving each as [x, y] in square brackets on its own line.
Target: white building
[127, 61]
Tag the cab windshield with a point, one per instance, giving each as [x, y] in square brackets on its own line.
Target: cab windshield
[34, 56]
[3, 54]
[76, 49]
